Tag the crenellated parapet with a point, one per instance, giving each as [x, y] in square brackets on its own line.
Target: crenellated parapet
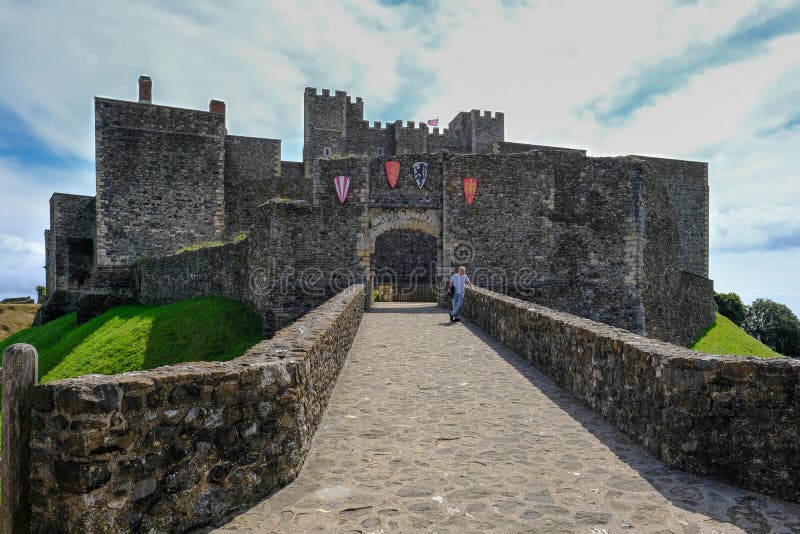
[478, 129]
[335, 126]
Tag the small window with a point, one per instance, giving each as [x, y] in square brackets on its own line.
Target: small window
[380, 152]
[326, 151]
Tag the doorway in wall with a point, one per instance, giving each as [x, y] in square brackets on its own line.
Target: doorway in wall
[404, 263]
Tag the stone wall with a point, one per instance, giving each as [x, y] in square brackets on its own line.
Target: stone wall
[733, 418]
[293, 182]
[484, 129]
[179, 447]
[69, 253]
[159, 179]
[111, 286]
[325, 123]
[72, 241]
[405, 257]
[406, 192]
[252, 169]
[303, 252]
[555, 228]
[678, 306]
[255, 173]
[687, 187]
[506, 147]
[596, 237]
[220, 271]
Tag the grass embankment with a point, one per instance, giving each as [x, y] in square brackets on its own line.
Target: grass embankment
[137, 337]
[724, 337]
[16, 317]
[211, 244]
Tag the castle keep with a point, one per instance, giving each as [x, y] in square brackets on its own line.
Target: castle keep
[620, 240]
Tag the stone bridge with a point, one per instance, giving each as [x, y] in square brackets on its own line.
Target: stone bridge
[520, 418]
[436, 426]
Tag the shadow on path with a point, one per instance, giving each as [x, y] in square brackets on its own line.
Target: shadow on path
[692, 492]
[446, 429]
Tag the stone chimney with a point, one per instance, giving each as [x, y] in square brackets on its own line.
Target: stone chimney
[145, 90]
[216, 106]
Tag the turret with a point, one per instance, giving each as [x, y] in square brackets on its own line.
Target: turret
[325, 123]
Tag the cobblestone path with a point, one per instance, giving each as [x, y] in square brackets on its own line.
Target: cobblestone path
[436, 427]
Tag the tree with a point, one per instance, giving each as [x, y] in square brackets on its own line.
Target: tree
[774, 325]
[731, 306]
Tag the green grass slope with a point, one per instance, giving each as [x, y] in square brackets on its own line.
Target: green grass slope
[724, 337]
[136, 337]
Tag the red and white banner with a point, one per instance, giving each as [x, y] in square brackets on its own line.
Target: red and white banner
[433, 122]
[342, 184]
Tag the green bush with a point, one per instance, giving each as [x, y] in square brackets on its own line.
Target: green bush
[731, 306]
[774, 325]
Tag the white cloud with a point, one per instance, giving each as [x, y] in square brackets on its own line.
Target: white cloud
[21, 268]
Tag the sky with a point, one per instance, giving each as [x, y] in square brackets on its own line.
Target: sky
[715, 81]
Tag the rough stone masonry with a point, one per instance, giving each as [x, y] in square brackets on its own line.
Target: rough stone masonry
[619, 240]
[179, 446]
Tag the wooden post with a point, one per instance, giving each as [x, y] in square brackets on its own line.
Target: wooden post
[20, 374]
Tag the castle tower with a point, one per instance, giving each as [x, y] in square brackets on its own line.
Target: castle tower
[324, 123]
[477, 131]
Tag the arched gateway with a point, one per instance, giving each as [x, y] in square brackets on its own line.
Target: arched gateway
[404, 253]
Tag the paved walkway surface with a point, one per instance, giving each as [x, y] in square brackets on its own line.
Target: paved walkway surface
[436, 427]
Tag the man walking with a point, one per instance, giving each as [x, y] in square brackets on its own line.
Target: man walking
[458, 282]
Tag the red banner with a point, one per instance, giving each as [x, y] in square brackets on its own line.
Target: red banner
[392, 172]
[470, 189]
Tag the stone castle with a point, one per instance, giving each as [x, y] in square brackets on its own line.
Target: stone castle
[620, 240]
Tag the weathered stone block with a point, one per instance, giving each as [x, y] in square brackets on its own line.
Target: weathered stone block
[101, 398]
[78, 477]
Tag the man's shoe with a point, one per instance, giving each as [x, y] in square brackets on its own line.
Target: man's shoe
[457, 320]
[451, 316]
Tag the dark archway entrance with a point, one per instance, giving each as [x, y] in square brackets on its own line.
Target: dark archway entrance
[404, 263]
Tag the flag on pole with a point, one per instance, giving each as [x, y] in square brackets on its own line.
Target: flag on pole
[433, 122]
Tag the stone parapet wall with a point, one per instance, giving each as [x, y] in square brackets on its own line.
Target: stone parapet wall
[177, 447]
[733, 418]
[220, 271]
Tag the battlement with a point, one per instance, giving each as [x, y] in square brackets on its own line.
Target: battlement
[335, 124]
[436, 131]
[337, 93]
[487, 114]
[326, 93]
[411, 125]
[477, 114]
